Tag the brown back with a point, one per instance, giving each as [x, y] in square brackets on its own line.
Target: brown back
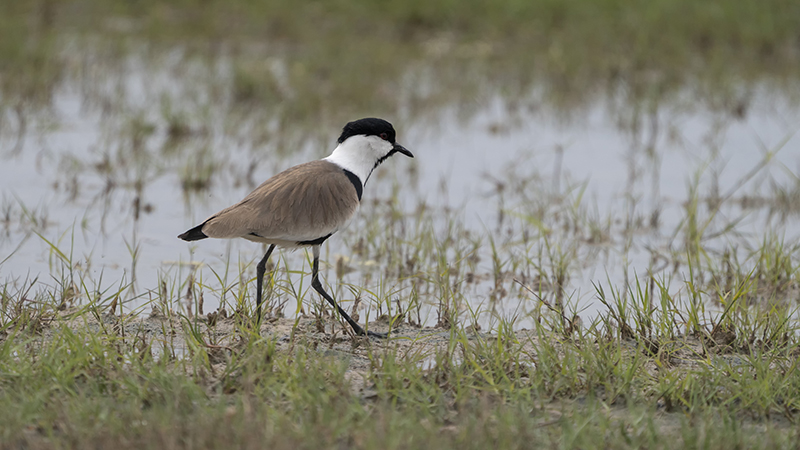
[302, 203]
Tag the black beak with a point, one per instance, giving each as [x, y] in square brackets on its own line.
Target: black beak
[399, 148]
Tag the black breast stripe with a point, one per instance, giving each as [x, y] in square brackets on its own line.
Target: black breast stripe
[317, 241]
[356, 182]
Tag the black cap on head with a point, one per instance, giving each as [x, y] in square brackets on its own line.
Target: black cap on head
[369, 127]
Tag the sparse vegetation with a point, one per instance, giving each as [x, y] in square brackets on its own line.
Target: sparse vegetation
[554, 320]
[84, 373]
[706, 356]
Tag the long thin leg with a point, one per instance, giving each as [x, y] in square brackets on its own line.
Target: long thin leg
[318, 287]
[260, 269]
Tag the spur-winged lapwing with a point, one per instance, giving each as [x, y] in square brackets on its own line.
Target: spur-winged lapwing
[304, 205]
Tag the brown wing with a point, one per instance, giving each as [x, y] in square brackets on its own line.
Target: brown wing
[303, 203]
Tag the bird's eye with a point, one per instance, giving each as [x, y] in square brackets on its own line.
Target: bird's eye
[384, 136]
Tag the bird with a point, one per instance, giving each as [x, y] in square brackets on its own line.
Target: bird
[306, 204]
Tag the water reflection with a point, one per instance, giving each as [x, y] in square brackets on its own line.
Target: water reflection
[558, 183]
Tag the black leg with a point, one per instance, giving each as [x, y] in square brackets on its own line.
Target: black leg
[318, 287]
[260, 269]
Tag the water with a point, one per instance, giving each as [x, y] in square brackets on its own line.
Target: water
[103, 183]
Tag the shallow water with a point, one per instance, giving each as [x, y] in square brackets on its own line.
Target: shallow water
[79, 172]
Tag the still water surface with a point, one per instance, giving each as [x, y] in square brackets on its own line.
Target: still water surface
[486, 171]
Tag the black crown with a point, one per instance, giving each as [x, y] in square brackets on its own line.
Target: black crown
[370, 126]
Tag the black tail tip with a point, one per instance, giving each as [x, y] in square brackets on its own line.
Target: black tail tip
[195, 234]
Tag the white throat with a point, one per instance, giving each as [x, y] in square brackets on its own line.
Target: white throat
[358, 154]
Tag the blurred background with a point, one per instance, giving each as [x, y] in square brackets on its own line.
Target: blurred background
[559, 143]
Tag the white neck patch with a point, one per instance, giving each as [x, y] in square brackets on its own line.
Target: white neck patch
[358, 154]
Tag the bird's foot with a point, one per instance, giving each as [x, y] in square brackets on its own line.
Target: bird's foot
[360, 332]
[377, 335]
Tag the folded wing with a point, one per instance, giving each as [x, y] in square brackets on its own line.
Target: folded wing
[304, 203]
